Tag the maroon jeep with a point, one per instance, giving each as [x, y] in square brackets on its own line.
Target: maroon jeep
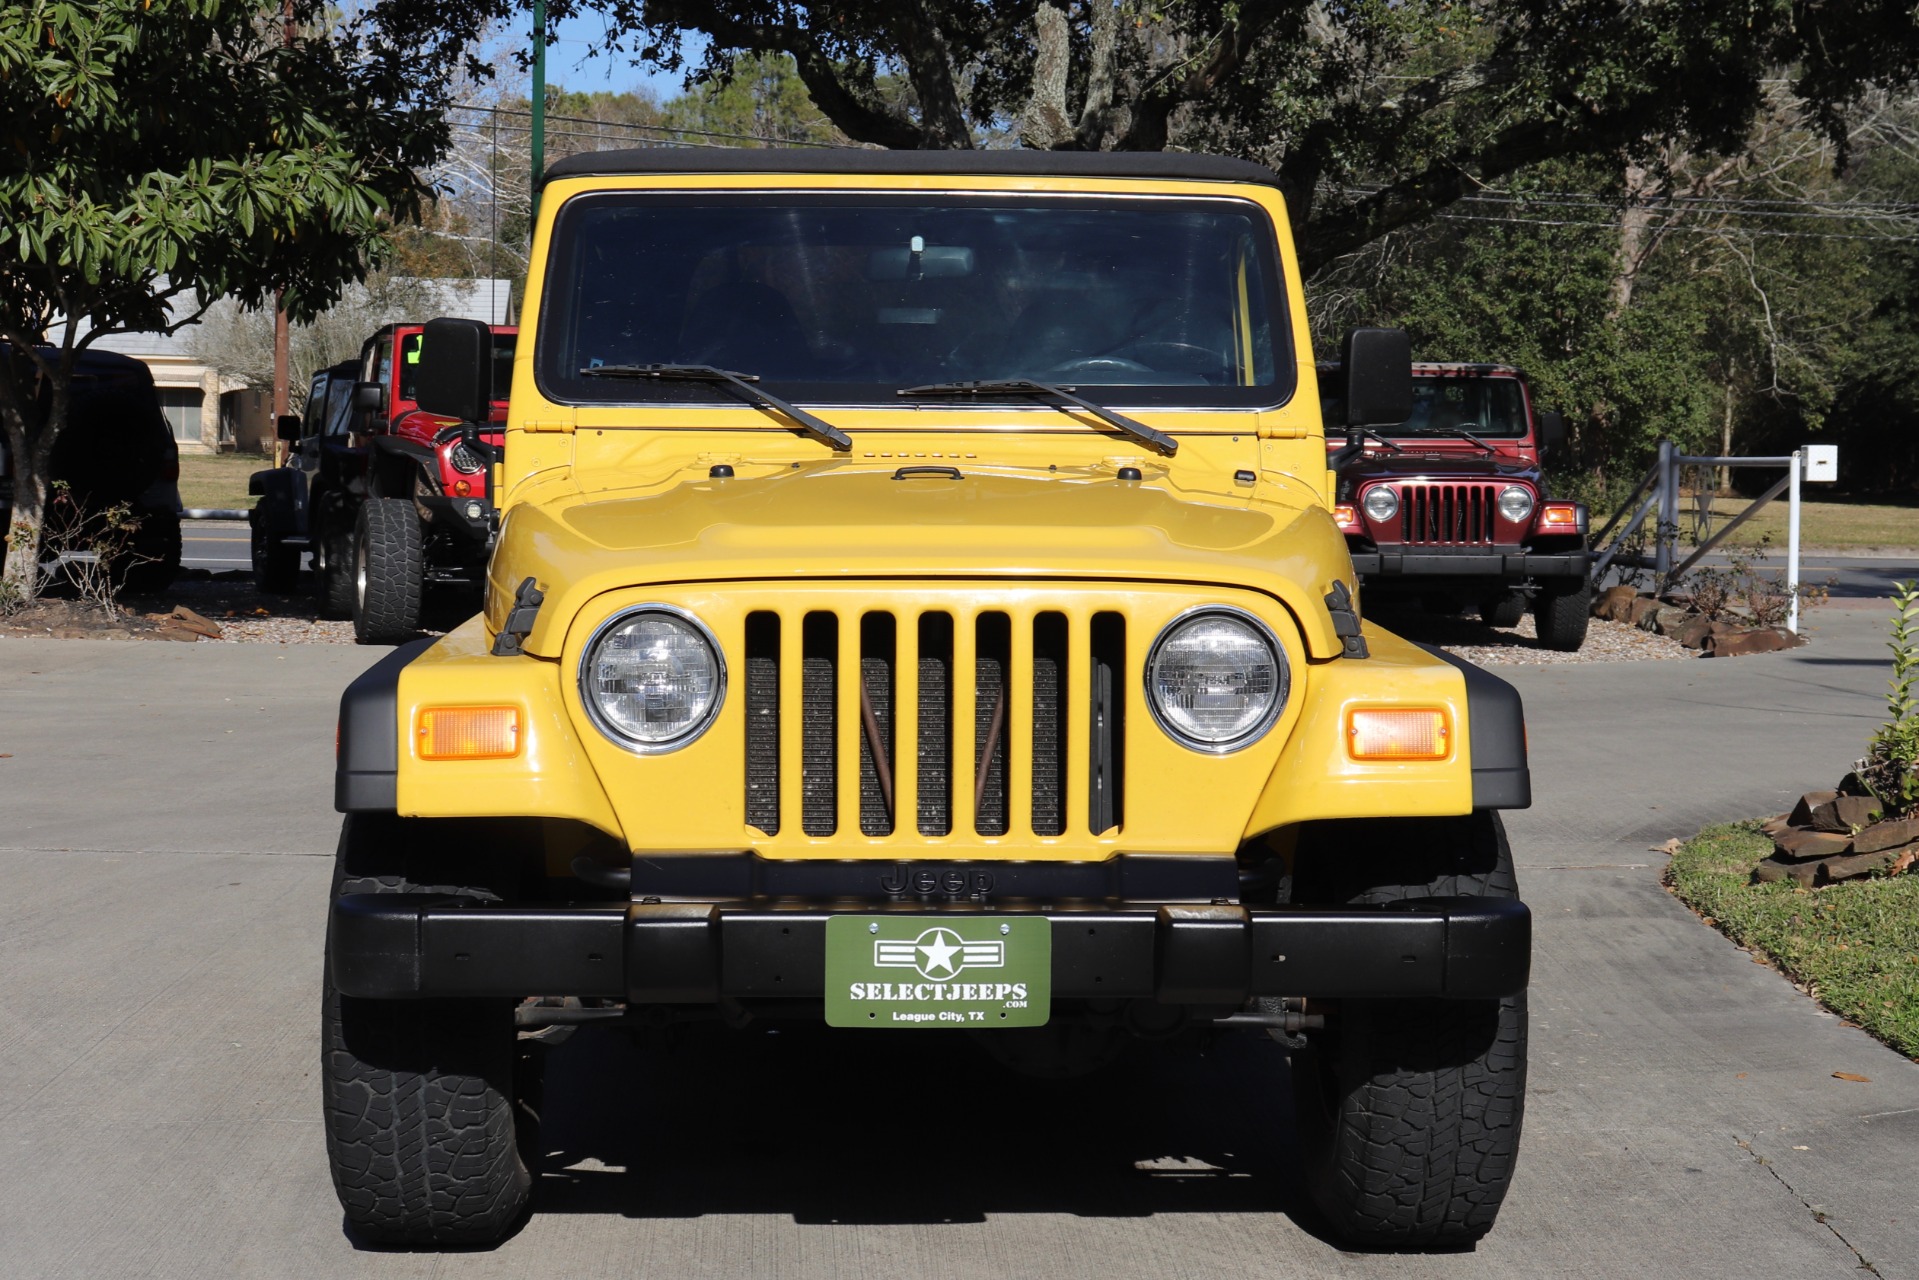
[1451, 504]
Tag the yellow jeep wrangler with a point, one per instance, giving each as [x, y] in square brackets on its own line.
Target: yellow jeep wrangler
[917, 609]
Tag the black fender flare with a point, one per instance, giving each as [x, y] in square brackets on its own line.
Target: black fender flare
[1496, 732]
[282, 508]
[366, 767]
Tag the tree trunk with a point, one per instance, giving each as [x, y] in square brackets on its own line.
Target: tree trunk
[1635, 231]
[30, 447]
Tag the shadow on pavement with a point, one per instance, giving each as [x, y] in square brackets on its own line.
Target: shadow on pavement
[832, 1127]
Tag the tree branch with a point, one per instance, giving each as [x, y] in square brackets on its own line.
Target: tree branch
[1044, 124]
[1193, 78]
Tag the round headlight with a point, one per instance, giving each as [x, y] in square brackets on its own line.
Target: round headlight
[1381, 503]
[1216, 680]
[1515, 503]
[653, 679]
[465, 460]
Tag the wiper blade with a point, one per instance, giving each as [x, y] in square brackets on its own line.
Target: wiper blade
[815, 428]
[1461, 432]
[1134, 430]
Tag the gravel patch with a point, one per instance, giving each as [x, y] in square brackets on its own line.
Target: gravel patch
[1473, 640]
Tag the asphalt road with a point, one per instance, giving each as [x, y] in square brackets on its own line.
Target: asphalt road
[163, 870]
[218, 545]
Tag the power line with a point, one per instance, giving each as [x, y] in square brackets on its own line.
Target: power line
[1704, 231]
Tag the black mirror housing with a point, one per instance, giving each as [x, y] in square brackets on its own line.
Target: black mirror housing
[455, 376]
[1552, 430]
[369, 397]
[287, 427]
[1378, 365]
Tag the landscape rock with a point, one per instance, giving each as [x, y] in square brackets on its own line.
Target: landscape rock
[1741, 644]
[1855, 865]
[1641, 608]
[1614, 603]
[1886, 835]
[1772, 870]
[1692, 632]
[1844, 814]
[185, 617]
[1801, 815]
[1851, 786]
[1798, 844]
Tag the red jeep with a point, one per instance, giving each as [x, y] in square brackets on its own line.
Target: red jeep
[1451, 504]
[389, 499]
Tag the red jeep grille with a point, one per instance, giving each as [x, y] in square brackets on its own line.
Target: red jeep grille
[1450, 514]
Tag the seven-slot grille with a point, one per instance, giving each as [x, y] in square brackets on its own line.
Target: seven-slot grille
[916, 691]
[1448, 513]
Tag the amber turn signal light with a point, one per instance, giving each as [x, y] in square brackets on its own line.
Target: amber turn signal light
[468, 733]
[1562, 516]
[1398, 734]
[1346, 516]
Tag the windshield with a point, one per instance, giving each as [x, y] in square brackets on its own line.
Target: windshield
[1487, 407]
[849, 298]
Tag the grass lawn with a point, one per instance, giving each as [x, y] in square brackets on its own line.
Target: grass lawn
[218, 479]
[1855, 944]
[1828, 525]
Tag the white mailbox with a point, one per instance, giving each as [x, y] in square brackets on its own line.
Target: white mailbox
[1822, 462]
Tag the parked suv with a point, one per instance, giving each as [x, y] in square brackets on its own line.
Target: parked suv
[116, 448]
[388, 499]
[918, 609]
[1451, 503]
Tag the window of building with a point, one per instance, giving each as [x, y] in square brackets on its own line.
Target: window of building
[182, 407]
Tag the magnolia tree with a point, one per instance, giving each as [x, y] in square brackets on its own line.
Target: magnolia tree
[161, 149]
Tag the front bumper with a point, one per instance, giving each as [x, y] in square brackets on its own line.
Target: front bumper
[1512, 566]
[400, 946]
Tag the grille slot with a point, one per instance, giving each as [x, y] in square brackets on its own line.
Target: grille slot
[877, 657]
[1448, 514]
[819, 776]
[763, 722]
[882, 715]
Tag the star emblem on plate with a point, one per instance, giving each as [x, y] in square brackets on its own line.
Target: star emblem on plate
[938, 949]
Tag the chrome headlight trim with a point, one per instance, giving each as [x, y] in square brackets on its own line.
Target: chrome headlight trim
[612, 732]
[1268, 718]
[1521, 503]
[1386, 508]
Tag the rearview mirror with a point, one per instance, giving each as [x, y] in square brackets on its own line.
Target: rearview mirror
[1552, 431]
[455, 373]
[287, 427]
[1379, 377]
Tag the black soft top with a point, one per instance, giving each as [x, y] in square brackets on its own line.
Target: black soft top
[1014, 163]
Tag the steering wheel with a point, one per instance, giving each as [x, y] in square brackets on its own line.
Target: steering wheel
[1183, 356]
[1101, 364]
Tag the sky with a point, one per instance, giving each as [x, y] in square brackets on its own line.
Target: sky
[570, 65]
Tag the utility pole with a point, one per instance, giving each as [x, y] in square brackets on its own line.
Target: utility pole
[539, 106]
[281, 339]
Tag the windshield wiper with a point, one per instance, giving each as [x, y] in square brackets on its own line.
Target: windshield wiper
[1461, 432]
[824, 432]
[1137, 431]
[1356, 445]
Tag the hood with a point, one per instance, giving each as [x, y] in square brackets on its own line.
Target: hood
[831, 521]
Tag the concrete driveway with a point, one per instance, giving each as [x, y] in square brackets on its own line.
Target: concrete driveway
[163, 869]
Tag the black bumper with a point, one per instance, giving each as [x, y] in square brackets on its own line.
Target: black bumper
[398, 946]
[449, 514]
[1511, 566]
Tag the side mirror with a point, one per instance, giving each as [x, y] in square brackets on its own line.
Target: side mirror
[1552, 431]
[369, 397]
[287, 427]
[1379, 377]
[454, 378]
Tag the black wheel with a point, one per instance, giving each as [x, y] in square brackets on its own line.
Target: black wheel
[1409, 1110]
[153, 561]
[420, 1094]
[1561, 611]
[389, 571]
[334, 569]
[275, 565]
[1503, 610]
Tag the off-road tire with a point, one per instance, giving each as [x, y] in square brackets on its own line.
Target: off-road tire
[1504, 610]
[1561, 612]
[1409, 1111]
[334, 568]
[275, 565]
[389, 571]
[419, 1094]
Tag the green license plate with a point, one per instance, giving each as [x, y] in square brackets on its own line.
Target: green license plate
[932, 971]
